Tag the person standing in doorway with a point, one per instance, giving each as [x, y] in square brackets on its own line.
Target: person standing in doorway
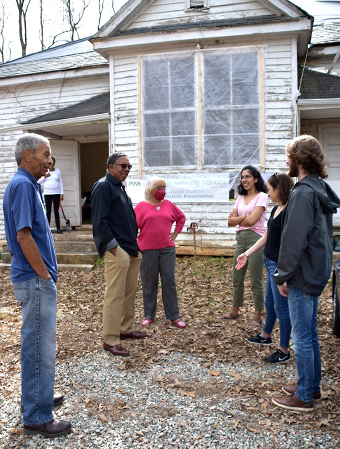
[305, 263]
[34, 272]
[115, 235]
[53, 192]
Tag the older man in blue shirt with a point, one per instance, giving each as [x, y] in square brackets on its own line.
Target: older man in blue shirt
[34, 273]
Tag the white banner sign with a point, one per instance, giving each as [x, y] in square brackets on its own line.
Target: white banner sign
[186, 188]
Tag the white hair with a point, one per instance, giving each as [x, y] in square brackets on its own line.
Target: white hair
[150, 184]
[28, 141]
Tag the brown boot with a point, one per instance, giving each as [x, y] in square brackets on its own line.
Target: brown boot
[292, 402]
[291, 389]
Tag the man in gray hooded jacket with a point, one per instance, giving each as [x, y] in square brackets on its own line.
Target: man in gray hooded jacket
[305, 263]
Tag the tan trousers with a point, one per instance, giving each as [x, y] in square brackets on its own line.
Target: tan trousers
[121, 275]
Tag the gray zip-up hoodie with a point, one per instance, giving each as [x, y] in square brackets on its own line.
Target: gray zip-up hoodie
[305, 259]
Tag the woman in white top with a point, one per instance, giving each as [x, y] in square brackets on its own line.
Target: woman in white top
[249, 215]
[53, 192]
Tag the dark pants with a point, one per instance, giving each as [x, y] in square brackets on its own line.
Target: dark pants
[48, 201]
[155, 262]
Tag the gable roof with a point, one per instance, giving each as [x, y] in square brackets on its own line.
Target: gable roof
[317, 85]
[127, 14]
[74, 55]
[99, 104]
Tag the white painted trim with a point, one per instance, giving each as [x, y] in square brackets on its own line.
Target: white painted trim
[64, 122]
[295, 92]
[112, 104]
[281, 6]
[319, 103]
[58, 74]
[134, 41]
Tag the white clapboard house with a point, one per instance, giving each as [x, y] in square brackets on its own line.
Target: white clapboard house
[191, 90]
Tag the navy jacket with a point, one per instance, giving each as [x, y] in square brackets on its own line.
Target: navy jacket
[113, 218]
[305, 259]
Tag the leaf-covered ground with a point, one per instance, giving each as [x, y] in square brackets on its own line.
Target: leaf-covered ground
[205, 291]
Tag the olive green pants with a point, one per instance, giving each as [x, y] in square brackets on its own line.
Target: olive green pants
[246, 239]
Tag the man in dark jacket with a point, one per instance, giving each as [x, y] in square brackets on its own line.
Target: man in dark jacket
[115, 235]
[305, 264]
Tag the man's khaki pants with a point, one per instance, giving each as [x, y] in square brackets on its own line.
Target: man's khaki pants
[121, 275]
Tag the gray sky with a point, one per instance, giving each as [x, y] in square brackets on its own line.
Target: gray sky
[322, 10]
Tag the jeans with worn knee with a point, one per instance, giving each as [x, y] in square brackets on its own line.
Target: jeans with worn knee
[38, 300]
[303, 310]
[276, 306]
[157, 262]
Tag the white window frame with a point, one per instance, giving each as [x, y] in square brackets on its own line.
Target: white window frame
[198, 105]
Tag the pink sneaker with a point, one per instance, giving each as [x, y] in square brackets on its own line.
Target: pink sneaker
[147, 322]
[178, 323]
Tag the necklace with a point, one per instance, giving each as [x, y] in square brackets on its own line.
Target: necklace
[158, 207]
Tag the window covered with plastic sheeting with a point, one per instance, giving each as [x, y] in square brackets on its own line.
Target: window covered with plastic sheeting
[201, 109]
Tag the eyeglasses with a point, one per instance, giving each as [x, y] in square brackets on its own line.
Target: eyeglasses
[160, 187]
[125, 166]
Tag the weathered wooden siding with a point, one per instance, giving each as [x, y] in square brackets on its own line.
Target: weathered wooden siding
[166, 12]
[22, 102]
[278, 56]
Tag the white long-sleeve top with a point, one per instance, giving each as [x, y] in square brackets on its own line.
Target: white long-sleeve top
[53, 185]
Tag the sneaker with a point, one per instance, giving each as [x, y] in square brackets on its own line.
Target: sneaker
[278, 357]
[259, 340]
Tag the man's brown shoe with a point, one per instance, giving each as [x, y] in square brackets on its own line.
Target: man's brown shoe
[291, 389]
[58, 399]
[292, 402]
[116, 350]
[135, 334]
[50, 429]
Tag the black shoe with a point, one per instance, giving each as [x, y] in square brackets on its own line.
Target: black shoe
[278, 357]
[258, 340]
[50, 429]
[59, 231]
[58, 399]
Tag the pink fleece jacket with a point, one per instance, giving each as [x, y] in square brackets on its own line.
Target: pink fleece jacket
[155, 223]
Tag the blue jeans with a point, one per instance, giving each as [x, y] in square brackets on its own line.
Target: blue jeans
[38, 300]
[303, 311]
[276, 306]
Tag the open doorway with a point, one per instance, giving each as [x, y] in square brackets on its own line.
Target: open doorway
[93, 158]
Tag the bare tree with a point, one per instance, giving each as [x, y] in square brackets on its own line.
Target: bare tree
[100, 11]
[74, 16]
[2, 32]
[22, 10]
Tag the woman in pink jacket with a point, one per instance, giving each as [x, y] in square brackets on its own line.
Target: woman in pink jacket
[155, 218]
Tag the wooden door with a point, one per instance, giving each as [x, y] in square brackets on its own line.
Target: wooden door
[67, 160]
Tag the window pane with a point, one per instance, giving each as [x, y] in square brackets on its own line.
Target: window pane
[245, 81]
[246, 121]
[183, 138]
[216, 80]
[156, 125]
[246, 150]
[183, 151]
[182, 82]
[157, 152]
[155, 85]
[216, 150]
[217, 132]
